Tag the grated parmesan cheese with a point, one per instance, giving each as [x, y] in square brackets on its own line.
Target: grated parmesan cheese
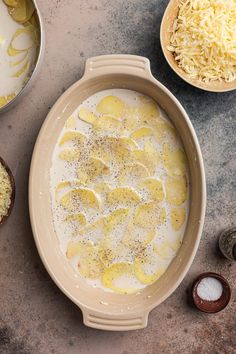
[203, 39]
[5, 192]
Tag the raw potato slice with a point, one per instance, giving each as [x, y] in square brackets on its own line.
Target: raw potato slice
[148, 109]
[178, 216]
[74, 249]
[22, 11]
[94, 168]
[70, 123]
[132, 172]
[107, 122]
[137, 239]
[112, 275]
[145, 159]
[164, 250]
[79, 218]
[111, 150]
[144, 276]
[123, 196]
[141, 133]
[113, 220]
[64, 184]
[74, 136]
[72, 200]
[176, 190]
[128, 143]
[174, 161]
[148, 215]
[106, 251]
[70, 155]
[163, 130]
[152, 152]
[111, 105]
[155, 188]
[87, 116]
[102, 188]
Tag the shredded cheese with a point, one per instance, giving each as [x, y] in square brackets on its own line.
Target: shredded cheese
[5, 192]
[203, 39]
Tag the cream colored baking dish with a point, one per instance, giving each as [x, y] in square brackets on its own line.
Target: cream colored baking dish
[105, 310]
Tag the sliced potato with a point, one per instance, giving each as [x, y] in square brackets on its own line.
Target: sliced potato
[113, 220]
[147, 277]
[102, 188]
[149, 214]
[79, 218]
[152, 151]
[178, 216]
[141, 133]
[90, 265]
[64, 184]
[11, 3]
[114, 273]
[155, 188]
[73, 199]
[70, 123]
[94, 168]
[137, 239]
[70, 155]
[176, 190]
[111, 105]
[74, 249]
[144, 158]
[22, 10]
[175, 162]
[132, 173]
[148, 109]
[123, 195]
[128, 143]
[106, 251]
[74, 136]
[111, 150]
[163, 250]
[87, 116]
[106, 122]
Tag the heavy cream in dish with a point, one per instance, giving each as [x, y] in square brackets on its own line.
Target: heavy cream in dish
[119, 191]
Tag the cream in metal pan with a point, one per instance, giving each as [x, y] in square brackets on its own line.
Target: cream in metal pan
[119, 191]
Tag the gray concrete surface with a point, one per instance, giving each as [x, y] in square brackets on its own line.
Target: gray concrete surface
[35, 317]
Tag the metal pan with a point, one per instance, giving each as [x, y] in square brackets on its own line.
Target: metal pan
[101, 309]
[35, 71]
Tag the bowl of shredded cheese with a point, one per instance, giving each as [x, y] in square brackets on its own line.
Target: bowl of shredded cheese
[7, 191]
[198, 39]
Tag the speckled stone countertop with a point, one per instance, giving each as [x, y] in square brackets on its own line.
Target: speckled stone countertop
[35, 317]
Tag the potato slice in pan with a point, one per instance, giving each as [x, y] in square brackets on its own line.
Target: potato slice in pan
[128, 143]
[78, 218]
[141, 133]
[148, 109]
[74, 136]
[163, 250]
[106, 122]
[162, 130]
[145, 159]
[110, 150]
[145, 275]
[152, 151]
[177, 217]
[123, 195]
[102, 188]
[11, 3]
[73, 199]
[22, 11]
[65, 184]
[111, 105]
[90, 265]
[154, 187]
[87, 116]
[106, 250]
[117, 271]
[132, 173]
[137, 238]
[70, 123]
[70, 155]
[113, 220]
[149, 214]
[176, 190]
[94, 168]
[174, 161]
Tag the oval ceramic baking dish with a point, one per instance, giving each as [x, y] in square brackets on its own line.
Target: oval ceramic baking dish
[105, 310]
[38, 63]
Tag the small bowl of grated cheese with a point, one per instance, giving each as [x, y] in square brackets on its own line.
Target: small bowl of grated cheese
[198, 39]
[7, 191]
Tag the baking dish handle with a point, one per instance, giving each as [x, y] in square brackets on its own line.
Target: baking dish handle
[118, 64]
[115, 322]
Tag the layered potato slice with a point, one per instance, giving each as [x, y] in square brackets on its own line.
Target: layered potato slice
[175, 162]
[123, 196]
[117, 275]
[176, 190]
[70, 155]
[149, 215]
[111, 105]
[141, 133]
[73, 136]
[132, 173]
[89, 264]
[93, 168]
[137, 238]
[145, 158]
[177, 217]
[154, 187]
[21, 10]
[85, 197]
[149, 267]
